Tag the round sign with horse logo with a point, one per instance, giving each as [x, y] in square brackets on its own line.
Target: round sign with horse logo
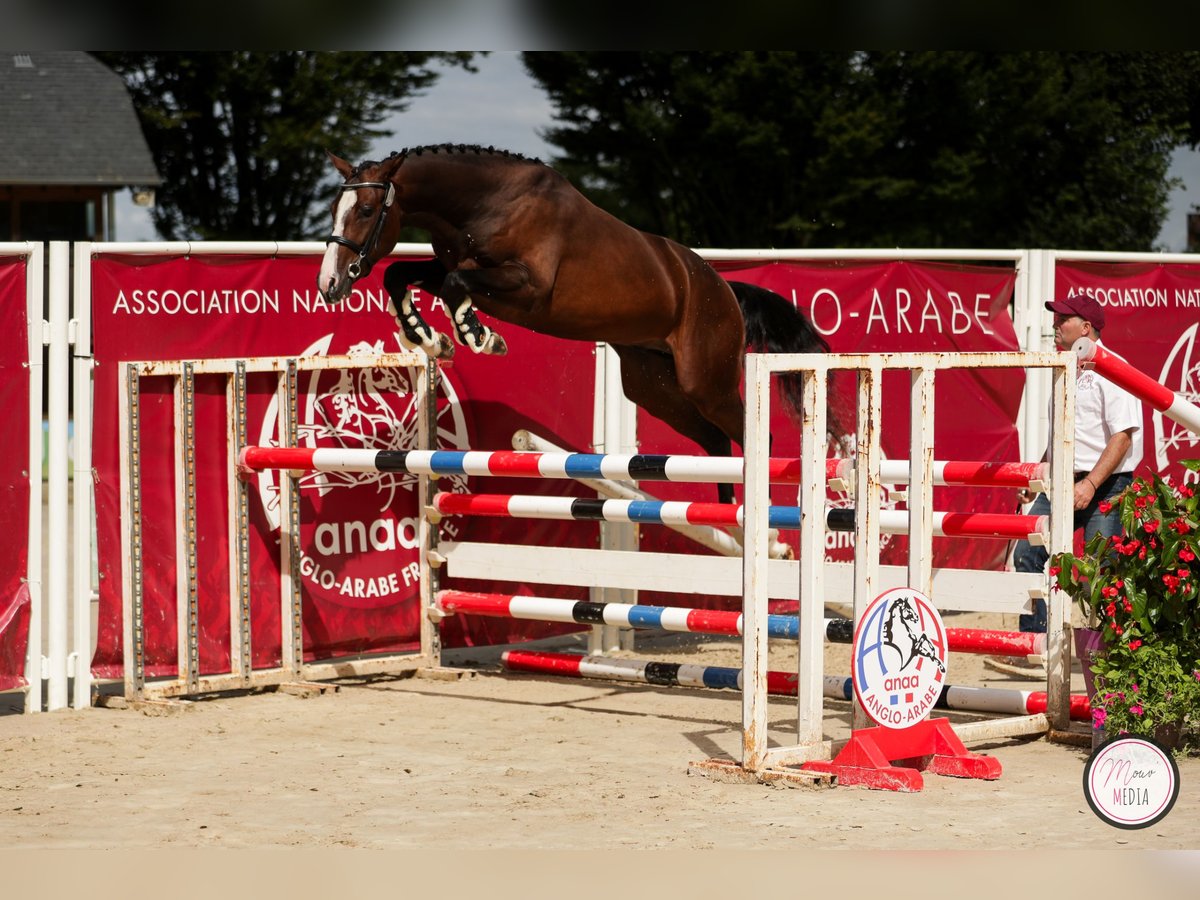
[900, 651]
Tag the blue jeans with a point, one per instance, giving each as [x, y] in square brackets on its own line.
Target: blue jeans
[1028, 558]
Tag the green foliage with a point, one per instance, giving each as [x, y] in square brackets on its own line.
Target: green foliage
[1140, 588]
[876, 149]
[1139, 691]
[239, 137]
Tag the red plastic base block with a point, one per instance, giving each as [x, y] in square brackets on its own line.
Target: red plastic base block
[888, 759]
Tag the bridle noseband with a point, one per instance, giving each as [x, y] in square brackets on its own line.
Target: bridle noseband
[361, 266]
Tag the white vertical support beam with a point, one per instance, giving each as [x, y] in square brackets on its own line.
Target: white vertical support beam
[1038, 380]
[614, 425]
[288, 538]
[866, 503]
[129, 454]
[810, 663]
[620, 430]
[179, 450]
[237, 525]
[602, 638]
[1025, 320]
[920, 482]
[56, 618]
[1062, 529]
[34, 320]
[426, 380]
[757, 499]
[83, 486]
[186, 599]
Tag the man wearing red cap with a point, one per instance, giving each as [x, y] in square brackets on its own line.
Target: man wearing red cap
[1108, 443]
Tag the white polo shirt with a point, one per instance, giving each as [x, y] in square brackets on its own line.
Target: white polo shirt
[1101, 410]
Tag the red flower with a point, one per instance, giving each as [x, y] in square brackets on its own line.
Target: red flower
[1133, 645]
[1186, 555]
[1054, 570]
[1104, 507]
[1151, 526]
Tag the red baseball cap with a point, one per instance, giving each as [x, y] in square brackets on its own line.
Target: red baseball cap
[1080, 305]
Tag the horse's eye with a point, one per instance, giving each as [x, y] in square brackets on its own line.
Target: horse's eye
[365, 212]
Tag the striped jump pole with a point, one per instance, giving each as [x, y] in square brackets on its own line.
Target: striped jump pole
[891, 521]
[1141, 385]
[704, 621]
[838, 687]
[626, 467]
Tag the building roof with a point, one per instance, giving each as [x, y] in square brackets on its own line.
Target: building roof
[66, 119]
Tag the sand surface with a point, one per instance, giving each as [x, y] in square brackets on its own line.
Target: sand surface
[517, 762]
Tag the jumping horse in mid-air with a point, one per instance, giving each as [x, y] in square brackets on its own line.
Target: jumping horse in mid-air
[513, 237]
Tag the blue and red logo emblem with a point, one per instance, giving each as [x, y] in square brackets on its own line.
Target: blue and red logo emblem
[900, 652]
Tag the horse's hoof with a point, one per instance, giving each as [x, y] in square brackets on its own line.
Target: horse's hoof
[495, 345]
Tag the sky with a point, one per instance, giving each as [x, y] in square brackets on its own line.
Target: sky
[502, 106]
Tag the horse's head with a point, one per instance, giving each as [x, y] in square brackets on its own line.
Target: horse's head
[365, 224]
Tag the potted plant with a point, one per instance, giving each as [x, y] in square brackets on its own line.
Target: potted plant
[1141, 590]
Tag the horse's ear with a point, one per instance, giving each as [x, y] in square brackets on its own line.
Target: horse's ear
[340, 164]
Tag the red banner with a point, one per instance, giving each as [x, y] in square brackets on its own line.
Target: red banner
[14, 473]
[358, 534]
[358, 531]
[1153, 313]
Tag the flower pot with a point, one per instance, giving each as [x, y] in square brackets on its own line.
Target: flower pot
[1089, 643]
[1169, 734]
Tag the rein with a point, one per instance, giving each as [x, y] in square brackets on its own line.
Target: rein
[361, 266]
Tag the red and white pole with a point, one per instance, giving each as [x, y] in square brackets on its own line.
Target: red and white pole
[1138, 383]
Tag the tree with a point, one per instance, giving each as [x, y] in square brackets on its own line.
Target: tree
[239, 137]
[876, 149]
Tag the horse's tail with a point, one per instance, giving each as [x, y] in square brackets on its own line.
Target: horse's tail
[773, 325]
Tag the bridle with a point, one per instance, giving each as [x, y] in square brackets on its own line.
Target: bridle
[361, 266]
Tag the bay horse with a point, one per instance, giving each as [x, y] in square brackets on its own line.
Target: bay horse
[515, 238]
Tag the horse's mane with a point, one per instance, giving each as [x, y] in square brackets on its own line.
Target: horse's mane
[450, 149]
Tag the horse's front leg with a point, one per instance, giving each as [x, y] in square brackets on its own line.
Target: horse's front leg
[416, 331]
[457, 290]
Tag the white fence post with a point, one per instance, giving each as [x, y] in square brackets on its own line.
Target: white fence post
[59, 415]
